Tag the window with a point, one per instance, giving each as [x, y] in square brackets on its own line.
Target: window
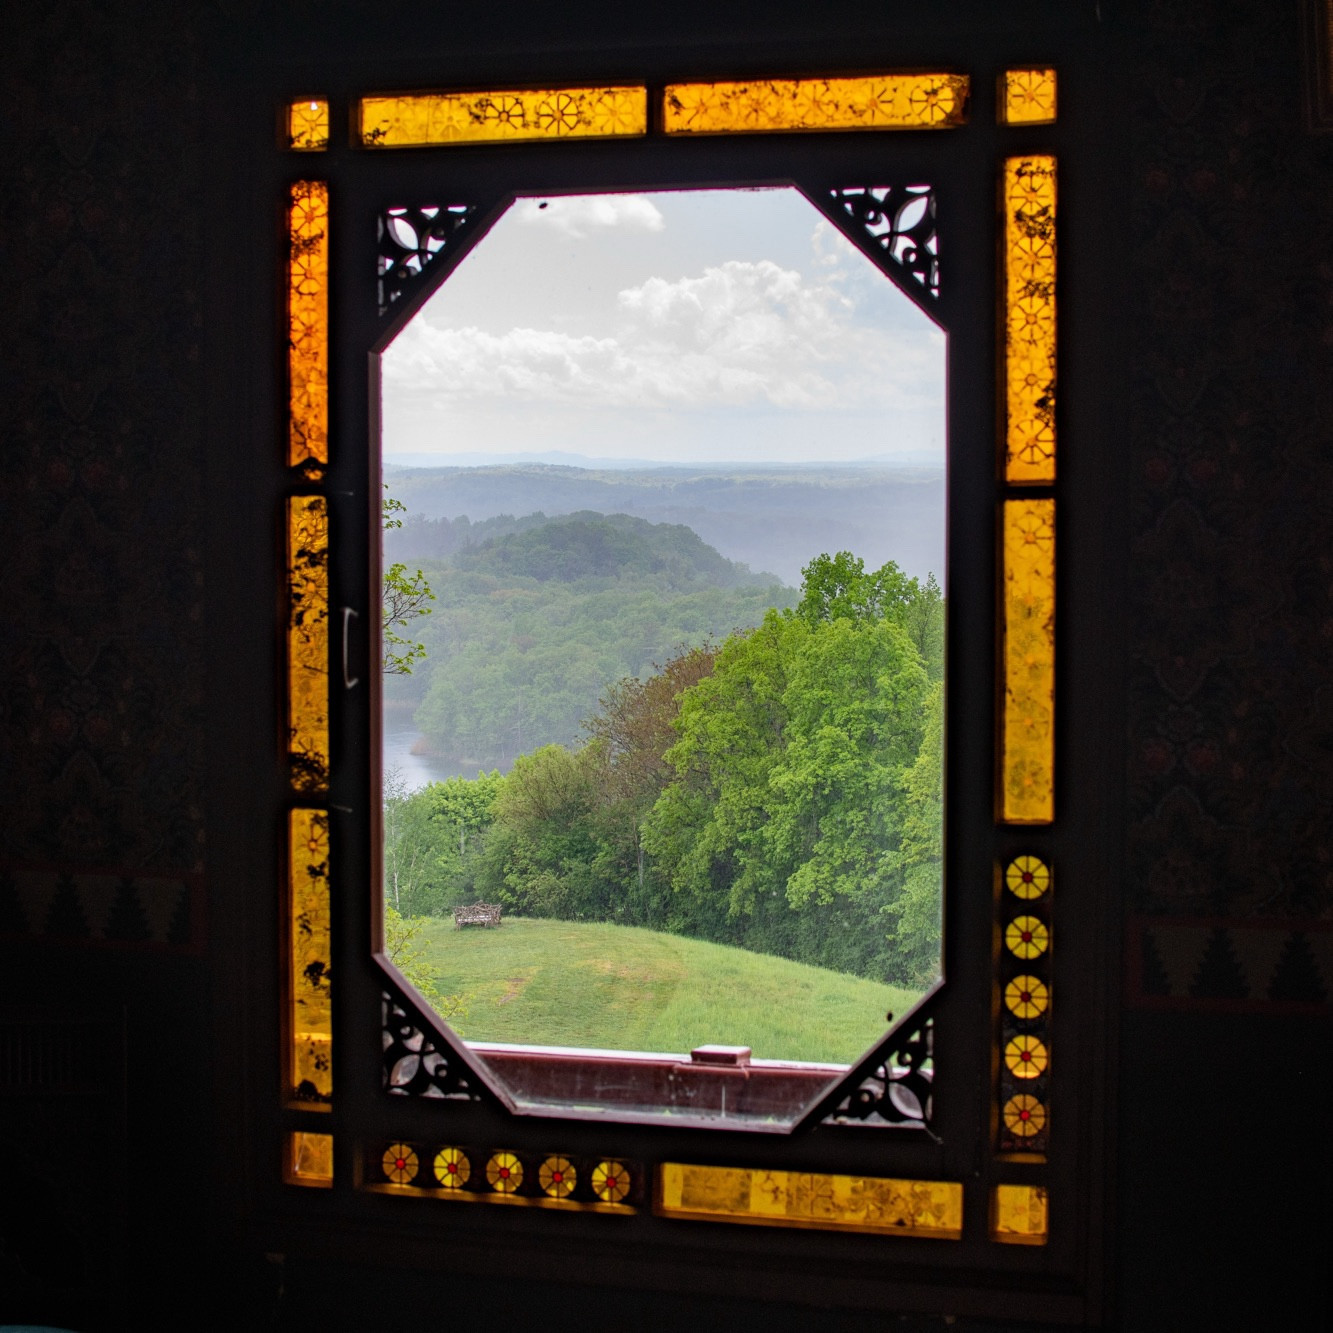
[953, 1129]
[771, 904]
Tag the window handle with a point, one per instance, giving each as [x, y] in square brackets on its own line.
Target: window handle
[349, 680]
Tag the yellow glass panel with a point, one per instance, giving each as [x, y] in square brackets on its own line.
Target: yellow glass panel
[1027, 877]
[1024, 1116]
[400, 1163]
[504, 1172]
[308, 319]
[1026, 937]
[1027, 726]
[1029, 295]
[1026, 997]
[452, 1168]
[1027, 97]
[1018, 1214]
[427, 119]
[880, 102]
[310, 1069]
[932, 1208]
[310, 1159]
[308, 125]
[308, 641]
[1026, 1057]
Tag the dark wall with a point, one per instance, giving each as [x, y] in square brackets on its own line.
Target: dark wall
[125, 891]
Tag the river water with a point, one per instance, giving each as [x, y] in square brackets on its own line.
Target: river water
[416, 770]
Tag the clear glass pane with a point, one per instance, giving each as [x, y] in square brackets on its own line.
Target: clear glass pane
[663, 691]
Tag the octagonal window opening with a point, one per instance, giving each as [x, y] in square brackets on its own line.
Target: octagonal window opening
[662, 701]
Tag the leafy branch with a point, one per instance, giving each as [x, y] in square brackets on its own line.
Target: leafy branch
[404, 599]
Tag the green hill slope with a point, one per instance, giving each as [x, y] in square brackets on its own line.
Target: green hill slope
[564, 983]
[529, 628]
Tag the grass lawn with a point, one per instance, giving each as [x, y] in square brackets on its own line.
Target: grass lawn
[566, 983]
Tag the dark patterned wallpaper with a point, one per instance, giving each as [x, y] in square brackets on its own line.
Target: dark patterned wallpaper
[101, 755]
[1231, 678]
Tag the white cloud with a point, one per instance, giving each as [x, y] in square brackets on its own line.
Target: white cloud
[578, 215]
[742, 334]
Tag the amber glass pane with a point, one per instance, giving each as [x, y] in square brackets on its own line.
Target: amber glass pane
[308, 641]
[308, 125]
[308, 318]
[1028, 97]
[1029, 334]
[427, 119]
[796, 1199]
[881, 102]
[1027, 732]
[310, 1159]
[309, 976]
[1018, 1214]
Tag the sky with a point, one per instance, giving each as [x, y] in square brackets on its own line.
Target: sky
[723, 326]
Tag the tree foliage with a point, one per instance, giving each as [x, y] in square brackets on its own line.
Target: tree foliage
[403, 600]
[779, 791]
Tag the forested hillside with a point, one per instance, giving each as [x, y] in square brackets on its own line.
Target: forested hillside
[533, 617]
[779, 790]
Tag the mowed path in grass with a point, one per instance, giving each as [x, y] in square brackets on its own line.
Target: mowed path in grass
[567, 983]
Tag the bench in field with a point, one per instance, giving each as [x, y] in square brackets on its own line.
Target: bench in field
[478, 914]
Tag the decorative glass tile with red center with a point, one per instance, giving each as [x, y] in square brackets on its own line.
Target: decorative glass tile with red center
[610, 1181]
[452, 1168]
[1026, 997]
[1024, 1116]
[504, 1173]
[400, 1163]
[1027, 877]
[1026, 937]
[557, 1177]
[1026, 1057]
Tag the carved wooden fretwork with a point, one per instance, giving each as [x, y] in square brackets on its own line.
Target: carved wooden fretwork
[898, 222]
[414, 1064]
[409, 240]
[897, 1091]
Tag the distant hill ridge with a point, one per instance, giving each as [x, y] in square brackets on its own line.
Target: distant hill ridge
[770, 518]
[607, 546]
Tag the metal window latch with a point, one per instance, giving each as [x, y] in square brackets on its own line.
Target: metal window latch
[349, 680]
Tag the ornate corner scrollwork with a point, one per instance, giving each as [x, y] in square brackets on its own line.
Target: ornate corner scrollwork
[899, 221]
[414, 1066]
[409, 239]
[897, 1092]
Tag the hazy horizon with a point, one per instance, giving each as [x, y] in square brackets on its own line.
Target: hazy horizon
[725, 328]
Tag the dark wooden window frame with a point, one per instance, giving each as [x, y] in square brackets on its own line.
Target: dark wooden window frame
[1061, 1280]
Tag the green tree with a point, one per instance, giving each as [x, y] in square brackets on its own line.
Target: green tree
[916, 913]
[634, 724]
[406, 950]
[541, 857]
[433, 840]
[784, 824]
[403, 600]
